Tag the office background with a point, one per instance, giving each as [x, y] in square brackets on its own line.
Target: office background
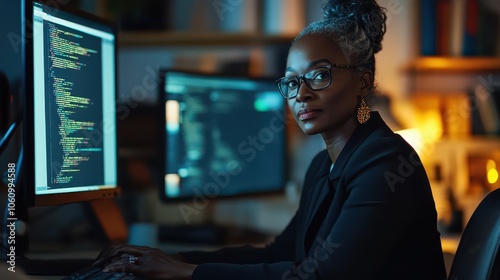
[439, 93]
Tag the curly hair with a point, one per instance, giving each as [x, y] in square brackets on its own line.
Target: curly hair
[356, 26]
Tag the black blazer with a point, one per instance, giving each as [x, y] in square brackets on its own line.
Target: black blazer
[371, 217]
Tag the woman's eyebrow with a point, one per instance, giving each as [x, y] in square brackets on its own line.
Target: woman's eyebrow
[289, 69]
[314, 63]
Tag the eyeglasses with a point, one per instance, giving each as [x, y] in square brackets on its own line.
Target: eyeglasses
[316, 79]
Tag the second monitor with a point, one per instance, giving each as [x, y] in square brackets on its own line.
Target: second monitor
[223, 136]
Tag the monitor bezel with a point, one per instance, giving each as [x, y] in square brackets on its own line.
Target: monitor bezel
[162, 147]
[30, 197]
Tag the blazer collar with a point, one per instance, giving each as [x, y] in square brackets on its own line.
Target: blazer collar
[357, 137]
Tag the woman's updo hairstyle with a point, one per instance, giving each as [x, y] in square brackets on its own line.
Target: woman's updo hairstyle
[356, 26]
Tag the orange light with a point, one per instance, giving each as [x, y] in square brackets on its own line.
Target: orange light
[491, 171]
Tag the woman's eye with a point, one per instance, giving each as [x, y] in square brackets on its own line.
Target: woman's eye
[291, 83]
[320, 76]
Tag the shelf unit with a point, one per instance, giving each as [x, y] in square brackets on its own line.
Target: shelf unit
[447, 85]
[442, 86]
[439, 64]
[200, 39]
[448, 75]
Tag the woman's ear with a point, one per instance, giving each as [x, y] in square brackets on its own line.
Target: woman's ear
[366, 83]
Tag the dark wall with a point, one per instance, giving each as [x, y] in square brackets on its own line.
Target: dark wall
[10, 42]
[10, 66]
[10, 59]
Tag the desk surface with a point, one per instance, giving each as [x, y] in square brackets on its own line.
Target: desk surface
[45, 277]
[450, 244]
[55, 253]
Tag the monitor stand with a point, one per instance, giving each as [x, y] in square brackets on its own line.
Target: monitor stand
[109, 216]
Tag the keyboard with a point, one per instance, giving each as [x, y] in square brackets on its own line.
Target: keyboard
[52, 266]
[96, 273]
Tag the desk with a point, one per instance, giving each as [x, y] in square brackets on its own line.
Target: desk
[449, 243]
[47, 254]
[62, 262]
[45, 277]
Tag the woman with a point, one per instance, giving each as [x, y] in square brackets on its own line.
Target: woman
[366, 210]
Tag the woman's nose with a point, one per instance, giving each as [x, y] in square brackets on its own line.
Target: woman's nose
[303, 92]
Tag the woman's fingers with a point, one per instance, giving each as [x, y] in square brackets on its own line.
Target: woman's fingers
[105, 255]
[111, 252]
[150, 264]
[134, 250]
[122, 267]
[124, 264]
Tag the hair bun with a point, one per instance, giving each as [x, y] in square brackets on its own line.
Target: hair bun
[366, 13]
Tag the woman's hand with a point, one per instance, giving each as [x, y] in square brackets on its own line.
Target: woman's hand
[144, 262]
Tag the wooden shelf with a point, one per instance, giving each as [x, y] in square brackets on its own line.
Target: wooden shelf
[453, 65]
[476, 140]
[173, 38]
[438, 93]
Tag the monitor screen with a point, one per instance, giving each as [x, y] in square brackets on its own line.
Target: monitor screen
[224, 136]
[70, 138]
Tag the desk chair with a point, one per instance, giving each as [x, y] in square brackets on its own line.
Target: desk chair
[478, 254]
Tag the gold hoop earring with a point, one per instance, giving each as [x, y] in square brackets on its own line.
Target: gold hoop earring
[363, 111]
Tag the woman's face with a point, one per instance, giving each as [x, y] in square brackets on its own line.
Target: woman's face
[324, 111]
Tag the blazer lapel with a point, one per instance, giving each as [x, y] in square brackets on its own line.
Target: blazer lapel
[358, 136]
[313, 222]
[329, 182]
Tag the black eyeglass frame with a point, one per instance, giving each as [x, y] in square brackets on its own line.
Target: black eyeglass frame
[300, 78]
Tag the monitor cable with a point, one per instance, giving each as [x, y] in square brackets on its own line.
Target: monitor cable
[4, 141]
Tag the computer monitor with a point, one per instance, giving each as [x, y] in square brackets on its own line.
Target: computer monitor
[223, 136]
[70, 146]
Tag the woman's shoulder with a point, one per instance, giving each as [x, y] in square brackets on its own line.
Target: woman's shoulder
[385, 158]
[384, 139]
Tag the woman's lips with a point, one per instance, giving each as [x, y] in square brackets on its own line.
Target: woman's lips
[306, 114]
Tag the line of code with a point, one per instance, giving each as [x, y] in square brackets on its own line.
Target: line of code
[74, 107]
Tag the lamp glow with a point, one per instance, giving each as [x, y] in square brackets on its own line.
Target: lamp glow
[491, 171]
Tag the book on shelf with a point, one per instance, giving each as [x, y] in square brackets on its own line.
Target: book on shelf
[443, 14]
[488, 29]
[471, 28]
[484, 107]
[428, 27]
[458, 28]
